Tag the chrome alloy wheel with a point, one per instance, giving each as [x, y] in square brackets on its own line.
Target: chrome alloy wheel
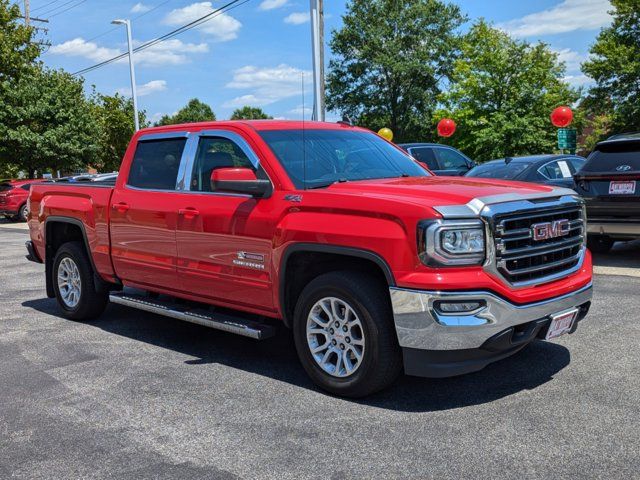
[335, 337]
[69, 282]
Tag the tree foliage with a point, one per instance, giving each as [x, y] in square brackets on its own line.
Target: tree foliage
[249, 113]
[18, 52]
[114, 116]
[46, 123]
[194, 111]
[501, 94]
[615, 66]
[390, 60]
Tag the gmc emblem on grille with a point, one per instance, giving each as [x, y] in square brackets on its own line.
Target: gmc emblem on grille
[548, 230]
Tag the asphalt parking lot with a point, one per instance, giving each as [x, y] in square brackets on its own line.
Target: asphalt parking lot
[134, 395]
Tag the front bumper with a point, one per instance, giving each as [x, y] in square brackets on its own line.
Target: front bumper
[437, 344]
[618, 229]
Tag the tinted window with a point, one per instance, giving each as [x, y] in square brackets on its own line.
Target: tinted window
[317, 158]
[556, 170]
[609, 157]
[5, 186]
[450, 159]
[498, 170]
[576, 163]
[213, 153]
[426, 156]
[155, 164]
[26, 186]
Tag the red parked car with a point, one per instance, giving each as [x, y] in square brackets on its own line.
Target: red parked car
[376, 265]
[13, 198]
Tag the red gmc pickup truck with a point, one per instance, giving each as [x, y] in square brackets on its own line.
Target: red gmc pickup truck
[375, 264]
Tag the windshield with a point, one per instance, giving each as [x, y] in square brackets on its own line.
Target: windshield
[501, 170]
[331, 156]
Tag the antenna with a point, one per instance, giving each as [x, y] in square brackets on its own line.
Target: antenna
[304, 143]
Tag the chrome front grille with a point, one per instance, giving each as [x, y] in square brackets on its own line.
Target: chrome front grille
[521, 259]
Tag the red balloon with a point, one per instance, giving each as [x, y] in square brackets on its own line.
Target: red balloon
[446, 127]
[562, 117]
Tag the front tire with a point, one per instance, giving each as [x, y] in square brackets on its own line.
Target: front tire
[23, 213]
[73, 283]
[344, 334]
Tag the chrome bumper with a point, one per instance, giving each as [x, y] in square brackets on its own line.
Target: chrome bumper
[420, 325]
[623, 229]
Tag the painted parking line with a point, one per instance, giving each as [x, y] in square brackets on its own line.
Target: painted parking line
[625, 271]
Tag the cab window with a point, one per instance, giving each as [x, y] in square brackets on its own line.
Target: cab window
[214, 153]
[155, 164]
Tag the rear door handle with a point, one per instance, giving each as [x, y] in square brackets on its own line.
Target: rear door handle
[188, 212]
[121, 207]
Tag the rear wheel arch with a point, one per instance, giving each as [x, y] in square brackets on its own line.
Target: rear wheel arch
[302, 262]
[57, 232]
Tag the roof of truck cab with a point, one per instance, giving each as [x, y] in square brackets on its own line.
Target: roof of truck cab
[253, 124]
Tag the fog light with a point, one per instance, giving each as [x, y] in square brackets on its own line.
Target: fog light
[458, 307]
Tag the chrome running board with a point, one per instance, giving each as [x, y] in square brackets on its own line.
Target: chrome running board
[201, 316]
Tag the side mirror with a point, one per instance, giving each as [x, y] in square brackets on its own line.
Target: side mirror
[239, 180]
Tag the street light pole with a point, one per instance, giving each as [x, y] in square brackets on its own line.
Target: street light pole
[317, 51]
[127, 23]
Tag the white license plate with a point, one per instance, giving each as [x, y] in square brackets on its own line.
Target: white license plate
[621, 187]
[561, 323]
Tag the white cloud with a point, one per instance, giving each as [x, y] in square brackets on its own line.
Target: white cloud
[78, 47]
[271, 4]
[267, 85]
[147, 89]
[567, 16]
[297, 18]
[222, 27]
[578, 80]
[140, 8]
[169, 52]
[300, 110]
[571, 59]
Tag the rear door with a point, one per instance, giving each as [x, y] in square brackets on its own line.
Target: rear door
[144, 214]
[224, 239]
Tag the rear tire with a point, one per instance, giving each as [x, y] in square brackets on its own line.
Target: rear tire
[599, 243]
[356, 350]
[73, 283]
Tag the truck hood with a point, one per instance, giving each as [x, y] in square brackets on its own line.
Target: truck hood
[438, 191]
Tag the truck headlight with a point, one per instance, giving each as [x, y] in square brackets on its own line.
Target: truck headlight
[451, 242]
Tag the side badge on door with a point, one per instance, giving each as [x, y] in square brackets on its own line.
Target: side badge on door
[250, 260]
[293, 198]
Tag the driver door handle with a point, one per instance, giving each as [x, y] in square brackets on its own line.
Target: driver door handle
[188, 212]
[121, 207]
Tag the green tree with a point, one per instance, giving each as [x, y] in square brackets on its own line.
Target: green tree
[615, 66]
[18, 52]
[391, 58]
[249, 113]
[46, 123]
[501, 94]
[194, 111]
[114, 115]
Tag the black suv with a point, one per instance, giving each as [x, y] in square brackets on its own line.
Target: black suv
[440, 159]
[610, 183]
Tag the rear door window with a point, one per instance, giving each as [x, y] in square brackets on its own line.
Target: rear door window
[556, 170]
[155, 164]
[425, 155]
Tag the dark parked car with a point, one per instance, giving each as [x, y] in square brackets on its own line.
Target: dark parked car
[440, 159]
[555, 170]
[609, 183]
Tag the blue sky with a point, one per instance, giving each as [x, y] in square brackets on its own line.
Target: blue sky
[259, 53]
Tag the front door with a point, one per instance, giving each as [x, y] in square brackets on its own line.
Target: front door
[143, 214]
[224, 240]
